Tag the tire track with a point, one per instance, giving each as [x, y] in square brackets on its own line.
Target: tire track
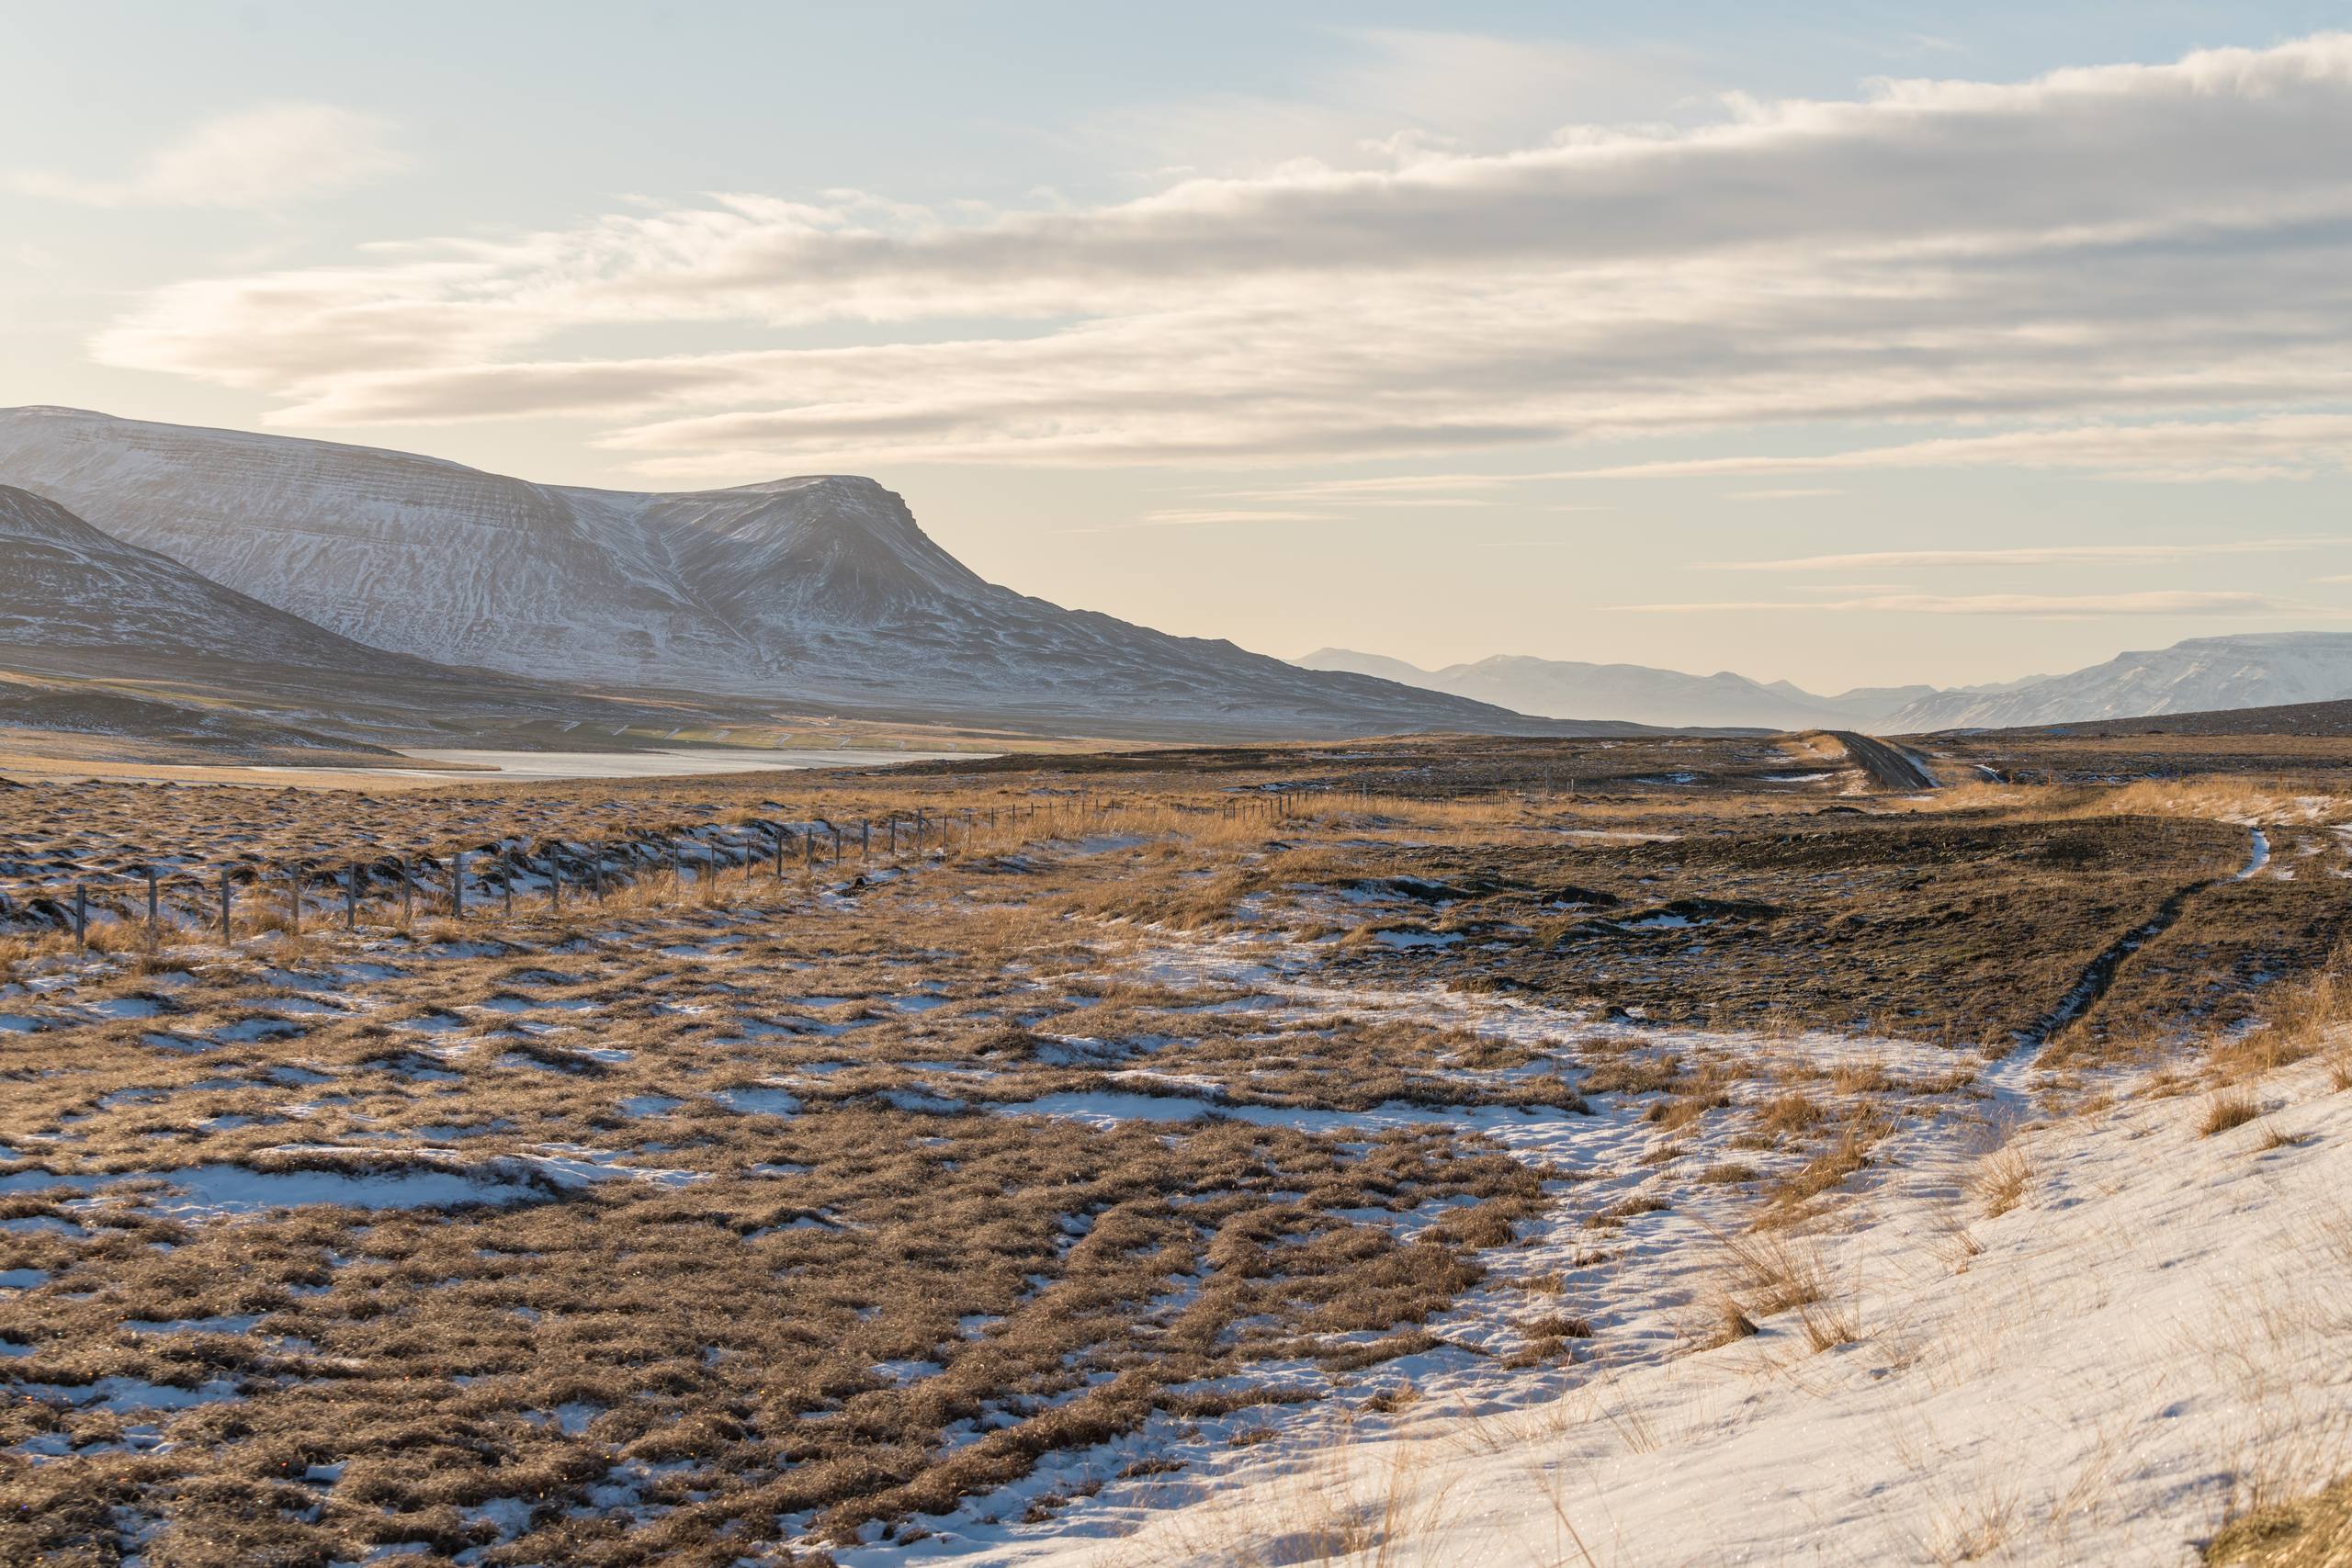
[2099, 975]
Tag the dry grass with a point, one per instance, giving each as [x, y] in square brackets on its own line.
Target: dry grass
[2228, 1108]
[2003, 1178]
[722, 1335]
[1773, 1271]
[1336, 1507]
[2314, 1532]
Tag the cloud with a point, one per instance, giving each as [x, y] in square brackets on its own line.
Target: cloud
[2042, 605]
[2280, 446]
[2032, 556]
[261, 157]
[2124, 247]
[1795, 494]
[1385, 93]
[1195, 518]
[1410, 490]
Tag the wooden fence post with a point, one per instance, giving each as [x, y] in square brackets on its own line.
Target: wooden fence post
[351, 896]
[457, 885]
[155, 914]
[864, 841]
[80, 919]
[228, 931]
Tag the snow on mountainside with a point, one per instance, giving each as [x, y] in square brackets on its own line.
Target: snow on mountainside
[1634, 692]
[68, 586]
[2203, 674]
[818, 589]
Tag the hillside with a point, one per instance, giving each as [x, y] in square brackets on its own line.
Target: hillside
[69, 586]
[823, 591]
[2203, 675]
[2329, 719]
[100, 637]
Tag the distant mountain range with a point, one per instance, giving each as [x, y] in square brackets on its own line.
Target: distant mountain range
[814, 593]
[2202, 674]
[1635, 692]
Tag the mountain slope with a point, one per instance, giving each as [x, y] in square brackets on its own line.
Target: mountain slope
[821, 591]
[2200, 675]
[98, 636]
[1635, 692]
[68, 586]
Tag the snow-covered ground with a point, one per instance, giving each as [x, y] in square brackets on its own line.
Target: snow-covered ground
[2159, 1332]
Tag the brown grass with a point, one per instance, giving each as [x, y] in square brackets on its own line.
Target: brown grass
[2314, 1532]
[2002, 1180]
[2228, 1108]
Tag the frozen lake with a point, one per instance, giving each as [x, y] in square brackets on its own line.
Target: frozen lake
[645, 764]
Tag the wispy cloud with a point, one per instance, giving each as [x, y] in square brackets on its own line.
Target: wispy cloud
[261, 157]
[2044, 605]
[2033, 555]
[1182, 518]
[1210, 517]
[1796, 494]
[2126, 244]
[1414, 492]
[2259, 447]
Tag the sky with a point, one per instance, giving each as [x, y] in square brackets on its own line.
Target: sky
[1852, 345]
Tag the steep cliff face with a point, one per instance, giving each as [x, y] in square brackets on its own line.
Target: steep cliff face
[814, 589]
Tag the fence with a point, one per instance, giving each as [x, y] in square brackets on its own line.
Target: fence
[189, 903]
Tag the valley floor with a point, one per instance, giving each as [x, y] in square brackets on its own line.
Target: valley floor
[1228, 1158]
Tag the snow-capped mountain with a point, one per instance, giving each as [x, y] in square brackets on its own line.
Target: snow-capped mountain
[1634, 692]
[68, 586]
[2202, 675]
[819, 590]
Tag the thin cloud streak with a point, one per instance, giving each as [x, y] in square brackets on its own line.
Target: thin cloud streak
[261, 157]
[2280, 446]
[2032, 556]
[2028, 605]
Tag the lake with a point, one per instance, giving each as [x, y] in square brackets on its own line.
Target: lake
[646, 764]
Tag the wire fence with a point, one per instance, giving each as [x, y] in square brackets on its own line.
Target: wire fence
[165, 901]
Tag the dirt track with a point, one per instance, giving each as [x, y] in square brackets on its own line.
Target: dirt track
[1889, 767]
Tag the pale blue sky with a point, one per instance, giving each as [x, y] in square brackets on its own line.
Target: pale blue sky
[1438, 331]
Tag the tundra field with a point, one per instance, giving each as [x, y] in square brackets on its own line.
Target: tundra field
[1430, 1151]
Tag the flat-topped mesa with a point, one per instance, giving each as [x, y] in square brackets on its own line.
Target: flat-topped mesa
[817, 589]
[839, 546]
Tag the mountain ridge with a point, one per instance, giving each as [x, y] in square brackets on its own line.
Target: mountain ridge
[817, 589]
[2199, 675]
[1633, 693]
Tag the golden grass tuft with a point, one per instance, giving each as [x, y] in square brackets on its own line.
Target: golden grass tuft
[2228, 1108]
